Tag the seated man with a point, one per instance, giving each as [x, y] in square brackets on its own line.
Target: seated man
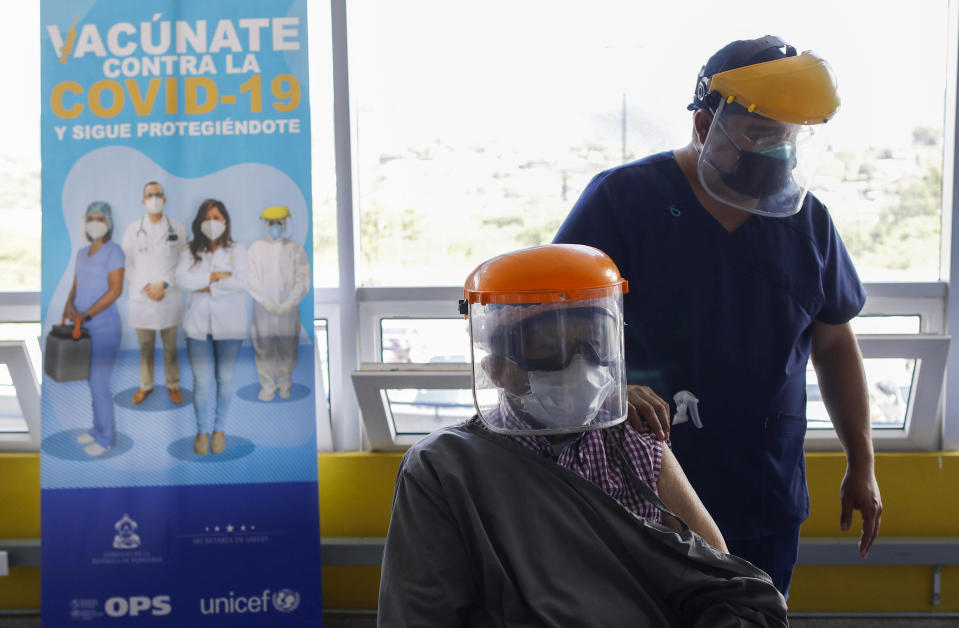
[543, 508]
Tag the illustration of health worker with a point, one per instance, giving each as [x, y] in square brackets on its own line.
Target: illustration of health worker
[152, 245]
[279, 279]
[97, 283]
[213, 271]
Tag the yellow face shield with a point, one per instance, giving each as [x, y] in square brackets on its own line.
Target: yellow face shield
[796, 90]
[276, 212]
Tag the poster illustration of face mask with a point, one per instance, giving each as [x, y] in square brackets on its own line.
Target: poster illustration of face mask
[178, 405]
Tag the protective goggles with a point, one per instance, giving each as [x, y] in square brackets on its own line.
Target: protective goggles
[549, 341]
[753, 133]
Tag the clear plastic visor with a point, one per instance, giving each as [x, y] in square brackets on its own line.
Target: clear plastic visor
[283, 223]
[758, 164]
[549, 368]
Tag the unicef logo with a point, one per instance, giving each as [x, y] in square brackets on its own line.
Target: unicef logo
[286, 601]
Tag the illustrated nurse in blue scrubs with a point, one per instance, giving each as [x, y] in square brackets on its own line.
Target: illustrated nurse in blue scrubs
[97, 283]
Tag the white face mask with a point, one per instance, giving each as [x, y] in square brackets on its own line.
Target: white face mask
[213, 229]
[96, 229]
[567, 398]
[154, 204]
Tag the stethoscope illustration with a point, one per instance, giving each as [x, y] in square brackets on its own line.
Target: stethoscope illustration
[142, 234]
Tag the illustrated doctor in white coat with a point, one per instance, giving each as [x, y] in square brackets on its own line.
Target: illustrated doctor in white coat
[279, 279]
[152, 246]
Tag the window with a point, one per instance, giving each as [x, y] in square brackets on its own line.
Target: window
[482, 149]
[468, 139]
[415, 346]
[325, 264]
[422, 410]
[400, 403]
[19, 339]
[887, 324]
[19, 389]
[424, 340]
[321, 339]
[466, 148]
[890, 381]
[20, 148]
[431, 342]
[321, 345]
[905, 385]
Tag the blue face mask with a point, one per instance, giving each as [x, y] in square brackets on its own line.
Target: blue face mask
[275, 231]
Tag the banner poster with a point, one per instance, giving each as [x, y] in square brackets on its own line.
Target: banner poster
[179, 482]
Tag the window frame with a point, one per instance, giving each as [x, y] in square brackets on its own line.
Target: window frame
[353, 313]
[950, 229]
[324, 417]
[922, 429]
[927, 300]
[377, 304]
[933, 302]
[371, 382]
[24, 375]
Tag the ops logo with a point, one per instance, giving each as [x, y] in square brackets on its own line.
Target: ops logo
[286, 601]
[134, 605]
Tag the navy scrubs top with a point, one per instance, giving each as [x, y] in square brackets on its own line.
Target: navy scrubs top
[726, 316]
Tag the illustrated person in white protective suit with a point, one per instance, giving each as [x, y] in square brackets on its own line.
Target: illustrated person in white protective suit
[279, 279]
[152, 245]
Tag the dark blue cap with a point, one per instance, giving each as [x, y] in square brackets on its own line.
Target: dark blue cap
[736, 55]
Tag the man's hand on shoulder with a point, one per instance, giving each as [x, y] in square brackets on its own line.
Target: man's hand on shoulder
[647, 412]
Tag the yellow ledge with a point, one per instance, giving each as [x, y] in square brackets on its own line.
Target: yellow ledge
[919, 492]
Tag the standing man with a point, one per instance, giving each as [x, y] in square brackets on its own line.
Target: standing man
[152, 246]
[738, 275]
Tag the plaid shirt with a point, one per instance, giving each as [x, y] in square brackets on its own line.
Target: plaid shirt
[587, 456]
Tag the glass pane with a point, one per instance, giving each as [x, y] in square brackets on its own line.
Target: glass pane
[424, 340]
[11, 417]
[20, 331]
[20, 147]
[30, 334]
[321, 338]
[325, 265]
[890, 383]
[886, 324]
[882, 177]
[465, 150]
[422, 411]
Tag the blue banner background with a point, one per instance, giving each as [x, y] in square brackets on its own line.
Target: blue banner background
[198, 555]
[149, 532]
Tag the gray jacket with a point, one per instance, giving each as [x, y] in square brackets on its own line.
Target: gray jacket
[484, 532]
